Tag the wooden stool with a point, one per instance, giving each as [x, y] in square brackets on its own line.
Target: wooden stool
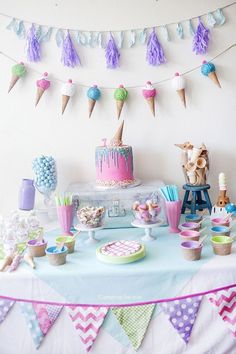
[196, 202]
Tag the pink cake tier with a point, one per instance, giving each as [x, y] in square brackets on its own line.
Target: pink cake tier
[114, 165]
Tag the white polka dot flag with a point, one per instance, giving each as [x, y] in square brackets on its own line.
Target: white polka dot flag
[87, 321]
[225, 301]
[182, 314]
[5, 306]
[134, 320]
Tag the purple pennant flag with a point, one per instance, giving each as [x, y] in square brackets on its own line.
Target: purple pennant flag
[182, 314]
[5, 306]
[201, 39]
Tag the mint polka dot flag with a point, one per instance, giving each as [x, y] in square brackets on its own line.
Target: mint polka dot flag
[134, 321]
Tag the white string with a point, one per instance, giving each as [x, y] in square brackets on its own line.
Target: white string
[129, 29]
[127, 87]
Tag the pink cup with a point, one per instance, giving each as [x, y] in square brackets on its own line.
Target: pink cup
[189, 235]
[190, 226]
[220, 222]
[65, 216]
[173, 212]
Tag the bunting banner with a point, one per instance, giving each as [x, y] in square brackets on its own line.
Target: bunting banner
[5, 306]
[87, 321]
[111, 41]
[134, 321]
[225, 301]
[182, 314]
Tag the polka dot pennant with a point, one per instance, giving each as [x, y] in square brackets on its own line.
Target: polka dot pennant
[182, 314]
[134, 320]
[32, 322]
[5, 306]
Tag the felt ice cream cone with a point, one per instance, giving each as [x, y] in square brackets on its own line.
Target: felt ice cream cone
[117, 139]
[17, 71]
[120, 96]
[65, 100]
[149, 93]
[91, 106]
[208, 69]
[214, 78]
[93, 94]
[39, 94]
[42, 85]
[178, 84]
[67, 91]
[182, 97]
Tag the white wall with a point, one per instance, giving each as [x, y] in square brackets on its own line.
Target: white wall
[26, 132]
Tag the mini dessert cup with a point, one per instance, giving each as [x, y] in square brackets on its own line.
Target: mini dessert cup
[193, 218]
[220, 222]
[220, 231]
[191, 250]
[56, 257]
[36, 248]
[190, 226]
[189, 235]
[221, 245]
[69, 242]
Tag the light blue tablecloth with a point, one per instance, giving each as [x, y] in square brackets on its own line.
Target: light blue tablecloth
[84, 279]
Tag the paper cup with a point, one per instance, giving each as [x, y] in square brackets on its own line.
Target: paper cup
[193, 218]
[69, 242]
[58, 258]
[36, 249]
[221, 245]
[189, 235]
[191, 250]
[190, 226]
[220, 230]
[220, 222]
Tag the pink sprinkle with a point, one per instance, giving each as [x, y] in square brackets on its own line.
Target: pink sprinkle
[176, 74]
[149, 83]
[70, 81]
[45, 74]
[204, 62]
[95, 86]
[121, 86]
[21, 62]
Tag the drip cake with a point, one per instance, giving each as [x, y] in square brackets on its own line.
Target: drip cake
[114, 163]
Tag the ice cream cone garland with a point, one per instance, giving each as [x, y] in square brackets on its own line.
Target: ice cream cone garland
[42, 85]
[93, 94]
[120, 96]
[17, 72]
[67, 91]
[149, 93]
[178, 84]
[209, 69]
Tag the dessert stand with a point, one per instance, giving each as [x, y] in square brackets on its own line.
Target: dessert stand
[147, 228]
[91, 232]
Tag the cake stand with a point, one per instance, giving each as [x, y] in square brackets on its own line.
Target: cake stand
[91, 232]
[147, 228]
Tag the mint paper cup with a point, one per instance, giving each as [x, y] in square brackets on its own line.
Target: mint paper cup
[221, 245]
[69, 242]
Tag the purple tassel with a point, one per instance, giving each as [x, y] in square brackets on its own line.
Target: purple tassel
[32, 45]
[201, 39]
[112, 54]
[155, 54]
[69, 56]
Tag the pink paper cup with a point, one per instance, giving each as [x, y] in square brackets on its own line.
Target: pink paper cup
[220, 222]
[189, 235]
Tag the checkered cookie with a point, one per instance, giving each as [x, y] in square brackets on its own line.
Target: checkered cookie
[120, 248]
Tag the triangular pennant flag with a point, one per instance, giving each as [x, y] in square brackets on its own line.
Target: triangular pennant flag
[134, 320]
[182, 314]
[87, 321]
[32, 322]
[5, 306]
[225, 300]
[46, 315]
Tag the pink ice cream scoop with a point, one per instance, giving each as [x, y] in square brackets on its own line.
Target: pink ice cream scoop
[149, 93]
[42, 85]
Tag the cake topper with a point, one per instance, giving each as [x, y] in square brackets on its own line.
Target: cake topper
[117, 139]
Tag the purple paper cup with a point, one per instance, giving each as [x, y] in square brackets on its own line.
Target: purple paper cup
[190, 226]
[189, 235]
[37, 249]
[191, 250]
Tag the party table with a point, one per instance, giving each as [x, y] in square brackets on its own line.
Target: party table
[158, 284]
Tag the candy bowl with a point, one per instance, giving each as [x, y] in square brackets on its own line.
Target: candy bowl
[193, 218]
[220, 230]
[222, 245]
[146, 213]
[91, 217]
[190, 226]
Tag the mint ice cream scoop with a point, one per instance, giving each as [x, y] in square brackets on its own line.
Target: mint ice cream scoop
[121, 93]
[18, 69]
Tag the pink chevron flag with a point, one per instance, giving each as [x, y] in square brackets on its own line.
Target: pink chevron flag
[87, 321]
[225, 300]
[46, 315]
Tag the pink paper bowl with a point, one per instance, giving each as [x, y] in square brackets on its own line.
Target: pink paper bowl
[220, 222]
[189, 235]
[190, 226]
